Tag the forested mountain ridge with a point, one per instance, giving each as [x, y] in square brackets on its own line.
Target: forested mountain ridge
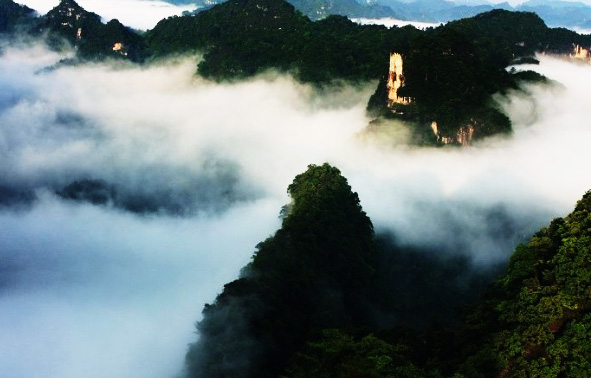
[326, 295]
[317, 9]
[310, 275]
[554, 13]
[449, 74]
[13, 14]
[68, 24]
[302, 307]
[85, 31]
[536, 320]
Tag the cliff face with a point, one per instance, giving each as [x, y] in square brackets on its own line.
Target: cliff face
[442, 90]
[70, 20]
[70, 24]
[12, 14]
[581, 53]
[396, 81]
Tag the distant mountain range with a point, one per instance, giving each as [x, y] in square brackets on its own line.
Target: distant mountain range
[557, 13]
[450, 72]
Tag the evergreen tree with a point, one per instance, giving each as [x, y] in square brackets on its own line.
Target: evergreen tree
[309, 276]
[536, 321]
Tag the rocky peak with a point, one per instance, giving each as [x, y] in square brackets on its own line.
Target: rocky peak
[66, 9]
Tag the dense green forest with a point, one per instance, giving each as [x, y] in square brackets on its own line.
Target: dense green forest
[12, 15]
[327, 295]
[306, 305]
[450, 72]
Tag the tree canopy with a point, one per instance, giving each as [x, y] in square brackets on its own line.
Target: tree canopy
[540, 322]
[306, 277]
[302, 307]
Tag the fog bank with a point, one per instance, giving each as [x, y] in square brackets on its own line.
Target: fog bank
[138, 14]
[101, 290]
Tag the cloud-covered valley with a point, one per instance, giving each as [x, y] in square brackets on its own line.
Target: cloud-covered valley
[195, 174]
[138, 14]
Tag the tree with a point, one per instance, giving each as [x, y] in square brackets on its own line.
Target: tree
[541, 325]
[309, 276]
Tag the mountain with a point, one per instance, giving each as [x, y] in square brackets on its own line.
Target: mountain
[245, 37]
[561, 14]
[319, 9]
[444, 80]
[446, 102]
[304, 306]
[13, 14]
[536, 320]
[555, 13]
[450, 73]
[308, 276]
[69, 22]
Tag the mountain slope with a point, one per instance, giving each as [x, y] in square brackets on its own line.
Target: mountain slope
[13, 14]
[85, 31]
[319, 9]
[241, 38]
[307, 276]
[536, 321]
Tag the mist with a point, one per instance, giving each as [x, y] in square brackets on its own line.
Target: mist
[105, 288]
[138, 14]
[391, 22]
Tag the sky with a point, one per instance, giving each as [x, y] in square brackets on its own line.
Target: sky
[139, 14]
[513, 2]
[144, 14]
[97, 290]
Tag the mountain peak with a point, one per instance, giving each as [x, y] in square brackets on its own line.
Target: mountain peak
[66, 12]
[68, 5]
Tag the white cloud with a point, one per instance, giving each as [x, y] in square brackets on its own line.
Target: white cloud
[96, 291]
[390, 22]
[138, 14]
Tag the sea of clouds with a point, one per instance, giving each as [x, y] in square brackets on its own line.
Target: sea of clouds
[98, 290]
[138, 14]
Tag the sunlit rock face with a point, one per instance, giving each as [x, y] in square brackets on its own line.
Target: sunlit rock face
[70, 18]
[396, 81]
[581, 53]
[463, 137]
[119, 48]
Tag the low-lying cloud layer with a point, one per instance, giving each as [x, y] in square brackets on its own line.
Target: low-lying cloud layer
[108, 290]
[138, 14]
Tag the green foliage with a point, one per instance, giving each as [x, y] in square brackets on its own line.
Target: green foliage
[543, 304]
[451, 72]
[12, 15]
[241, 38]
[308, 276]
[339, 355]
[101, 40]
[319, 9]
[299, 308]
[500, 36]
[452, 83]
[70, 24]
